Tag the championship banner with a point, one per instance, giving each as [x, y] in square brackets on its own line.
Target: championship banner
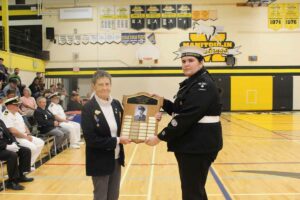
[109, 37]
[69, 39]
[93, 39]
[291, 20]
[184, 16]
[101, 38]
[275, 16]
[137, 17]
[107, 17]
[204, 15]
[153, 17]
[85, 39]
[169, 16]
[121, 17]
[133, 38]
[77, 39]
[62, 39]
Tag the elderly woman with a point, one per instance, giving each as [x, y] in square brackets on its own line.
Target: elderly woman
[101, 124]
[194, 134]
[28, 103]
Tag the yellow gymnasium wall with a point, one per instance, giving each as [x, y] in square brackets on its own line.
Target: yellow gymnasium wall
[28, 65]
[251, 93]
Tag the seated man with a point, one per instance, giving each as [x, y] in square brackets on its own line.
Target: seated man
[12, 86]
[139, 114]
[15, 124]
[74, 103]
[74, 128]
[47, 124]
[17, 157]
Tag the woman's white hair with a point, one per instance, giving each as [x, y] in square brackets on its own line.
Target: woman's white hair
[27, 90]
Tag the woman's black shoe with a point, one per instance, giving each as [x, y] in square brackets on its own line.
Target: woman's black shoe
[23, 179]
[14, 186]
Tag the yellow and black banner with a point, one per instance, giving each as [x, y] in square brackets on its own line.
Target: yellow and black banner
[283, 15]
[275, 16]
[137, 17]
[169, 16]
[291, 20]
[153, 17]
[184, 16]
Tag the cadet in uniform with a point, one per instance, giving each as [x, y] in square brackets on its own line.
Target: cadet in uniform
[101, 125]
[18, 159]
[194, 134]
[16, 125]
[74, 128]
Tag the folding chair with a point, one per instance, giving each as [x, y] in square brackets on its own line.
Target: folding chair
[2, 173]
[46, 151]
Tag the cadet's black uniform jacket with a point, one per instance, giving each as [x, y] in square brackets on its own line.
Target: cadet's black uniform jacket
[45, 120]
[18, 162]
[100, 146]
[5, 136]
[197, 97]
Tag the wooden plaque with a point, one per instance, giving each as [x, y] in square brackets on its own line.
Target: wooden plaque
[139, 116]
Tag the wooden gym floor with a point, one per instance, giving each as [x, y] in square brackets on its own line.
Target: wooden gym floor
[260, 160]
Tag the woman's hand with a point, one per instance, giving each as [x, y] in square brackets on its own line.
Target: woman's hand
[152, 140]
[158, 116]
[124, 140]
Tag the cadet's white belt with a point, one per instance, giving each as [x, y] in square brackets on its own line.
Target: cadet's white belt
[209, 119]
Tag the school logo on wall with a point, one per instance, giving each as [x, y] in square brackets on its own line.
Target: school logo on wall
[214, 42]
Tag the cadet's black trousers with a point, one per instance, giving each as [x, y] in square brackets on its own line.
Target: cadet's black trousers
[14, 169]
[193, 170]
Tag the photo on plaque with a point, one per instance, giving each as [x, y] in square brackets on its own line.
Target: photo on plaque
[140, 113]
[139, 120]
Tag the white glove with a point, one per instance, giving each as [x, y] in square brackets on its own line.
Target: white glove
[12, 147]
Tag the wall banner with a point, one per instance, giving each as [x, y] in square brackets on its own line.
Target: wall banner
[275, 16]
[169, 16]
[104, 38]
[137, 17]
[107, 17]
[204, 15]
[133, 38]
[291, 20]
[122, 17]
[153, 17]
[184, 16]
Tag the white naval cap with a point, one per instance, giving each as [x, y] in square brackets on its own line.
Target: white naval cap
[55, 94]
[191, 51]
[13, 100]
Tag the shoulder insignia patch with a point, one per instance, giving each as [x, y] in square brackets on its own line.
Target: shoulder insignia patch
[202, 86]
[174, 122]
